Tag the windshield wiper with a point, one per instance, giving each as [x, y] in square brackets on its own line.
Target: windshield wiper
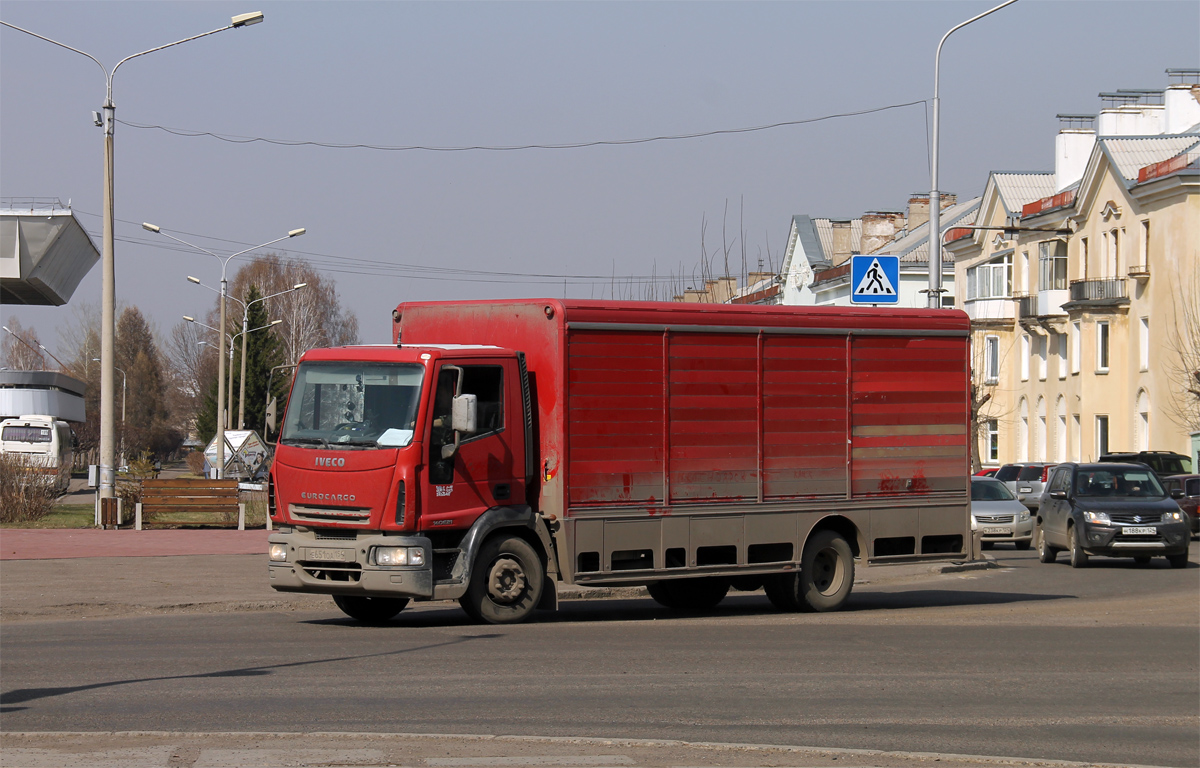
[305, 441]
[355, 442]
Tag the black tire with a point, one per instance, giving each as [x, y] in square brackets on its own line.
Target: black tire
[506, 582]
[1142, 560]
[1046, 553]
[986, 544]
[370, 610]
[689, 594]
[1079, 558]
[1023, 545]
[826, 572]
[782, 591]
[746, 583]
[1178, 561]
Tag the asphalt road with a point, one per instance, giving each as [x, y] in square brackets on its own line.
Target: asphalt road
[1031, 660]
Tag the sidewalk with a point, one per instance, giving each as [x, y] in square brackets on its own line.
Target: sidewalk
[61, 543]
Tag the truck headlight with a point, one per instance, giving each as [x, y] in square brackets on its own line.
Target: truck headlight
[399, 556]
[1172, 517]
[278, 553]
[1097, 517]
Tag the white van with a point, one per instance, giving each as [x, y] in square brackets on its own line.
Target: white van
[45, 441]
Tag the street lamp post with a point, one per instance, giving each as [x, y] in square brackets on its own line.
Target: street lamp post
[245, 318]
[108, 271]
[935, 197]
[26, 343]
[123, 390]
[221, 336]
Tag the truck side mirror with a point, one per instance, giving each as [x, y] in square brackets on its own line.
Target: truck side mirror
[463, 413]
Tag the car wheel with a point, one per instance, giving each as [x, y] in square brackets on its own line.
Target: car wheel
[1079, 558]
[1178, 561]
[506, 583]
[1046, 553]
[370, 610]
[1024, 544]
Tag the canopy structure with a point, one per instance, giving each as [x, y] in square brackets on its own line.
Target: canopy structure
[44, 252]
[44, 393]
[244, 453]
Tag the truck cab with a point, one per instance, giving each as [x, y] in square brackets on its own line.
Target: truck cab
[387, 457]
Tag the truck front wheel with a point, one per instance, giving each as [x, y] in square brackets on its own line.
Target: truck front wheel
[370, 610]
[506, 582]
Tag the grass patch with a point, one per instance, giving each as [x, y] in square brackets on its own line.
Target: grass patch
[62, 516]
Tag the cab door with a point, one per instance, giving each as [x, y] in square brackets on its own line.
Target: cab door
[487, 469]
[1054, 511]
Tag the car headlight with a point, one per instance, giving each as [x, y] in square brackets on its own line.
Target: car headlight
[1172, 517]
[1023, 517]
[278, 553]
[1097, 517]
[399, 556]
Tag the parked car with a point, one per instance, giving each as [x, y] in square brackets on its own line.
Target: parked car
[997, 515]
[1165, 463]
[1115, 510]
[1190, 503]
[987, 472]
[1027, 480]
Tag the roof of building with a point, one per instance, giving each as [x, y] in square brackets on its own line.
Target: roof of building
[1129, 154]
[1017, 188]
[913, 248]
[824, 229]
[810, 240]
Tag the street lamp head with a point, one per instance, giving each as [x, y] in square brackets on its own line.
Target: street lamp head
[274, 322]
[296, 232]
[298, 286]
[150, 227]
[195, 280]
[189, 319]
[246, 19]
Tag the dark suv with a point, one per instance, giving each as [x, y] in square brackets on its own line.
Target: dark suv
[1117, 510]
[1164, 463]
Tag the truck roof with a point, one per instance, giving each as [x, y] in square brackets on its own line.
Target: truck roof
[390, 353]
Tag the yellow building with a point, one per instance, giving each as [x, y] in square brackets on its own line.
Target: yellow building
[1084, 308]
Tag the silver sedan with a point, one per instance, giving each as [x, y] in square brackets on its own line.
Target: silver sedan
[997, 515]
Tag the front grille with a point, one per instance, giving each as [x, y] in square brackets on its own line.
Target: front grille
[329, 514]
[1143, 518]
[332, 534]
[993, 519]
[349, 572]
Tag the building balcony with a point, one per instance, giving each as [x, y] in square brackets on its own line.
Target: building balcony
[998, 308]
[1139, 272]
[1027, 305]
[1107, 290]
[1050, 302]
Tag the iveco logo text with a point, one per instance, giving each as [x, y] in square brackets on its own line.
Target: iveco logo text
[328, 461]
[327, 496]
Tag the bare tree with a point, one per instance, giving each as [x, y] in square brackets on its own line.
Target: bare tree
[1183, 361]
[22, 350]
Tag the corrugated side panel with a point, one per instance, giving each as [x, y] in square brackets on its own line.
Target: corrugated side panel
[615, 413]
[909, 415]
[804, 416]
[714, 416]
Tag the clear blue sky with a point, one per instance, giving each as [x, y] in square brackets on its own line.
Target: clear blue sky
[457, 74]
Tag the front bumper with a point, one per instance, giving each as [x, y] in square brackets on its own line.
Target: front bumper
[342, 566]
[1112, 541]
[1016, 531]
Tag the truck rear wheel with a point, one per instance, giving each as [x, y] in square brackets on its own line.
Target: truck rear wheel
[689, 594]
[824, 580]
[370, 610]
[506, 582]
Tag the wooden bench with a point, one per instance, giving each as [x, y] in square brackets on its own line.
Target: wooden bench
[205, 502]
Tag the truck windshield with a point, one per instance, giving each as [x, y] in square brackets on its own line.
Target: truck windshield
[353, 404]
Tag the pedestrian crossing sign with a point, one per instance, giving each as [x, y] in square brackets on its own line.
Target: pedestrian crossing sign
[874, 279]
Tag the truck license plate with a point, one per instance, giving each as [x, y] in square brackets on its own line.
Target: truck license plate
[1141, 531]
[331, 555]
[995, 530]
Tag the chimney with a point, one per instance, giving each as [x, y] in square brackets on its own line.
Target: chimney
[918, 210]
[757, 277]
[947, 200]
[878, 229]
[842, 247]
[1182, 101]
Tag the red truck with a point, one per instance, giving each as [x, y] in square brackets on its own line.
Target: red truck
[498, 448]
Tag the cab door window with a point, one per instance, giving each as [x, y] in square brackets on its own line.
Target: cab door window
[486, 382]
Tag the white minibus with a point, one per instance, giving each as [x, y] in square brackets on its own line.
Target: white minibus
[44, 441]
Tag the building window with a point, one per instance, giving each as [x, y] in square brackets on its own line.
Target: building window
[1146, 244]
[993, 441]
[1102, 346]
[1083, 258]
[1061, 361]
[1042, 343]
[1023, 435]
[1142, 410]
[1101, 436]
[1025, 357]
[1114, 254]
[991, 359]
[1076, 437]
[1060, 438]
[1052, 266]
[1144, 344]
[992, 280]
[1076, 346]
